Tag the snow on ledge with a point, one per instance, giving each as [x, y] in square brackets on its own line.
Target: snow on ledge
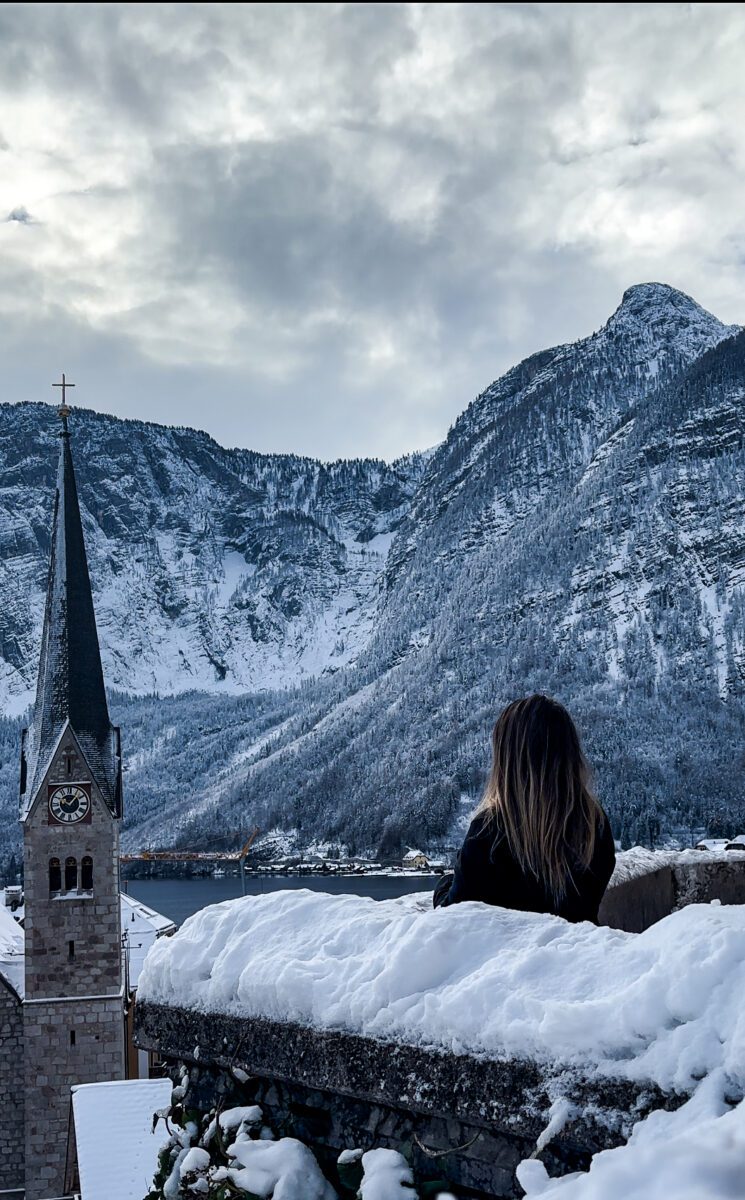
[664, 1005]
[638, 861]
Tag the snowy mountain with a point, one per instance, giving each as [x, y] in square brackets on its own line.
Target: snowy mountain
[579, 531]
[212, 569]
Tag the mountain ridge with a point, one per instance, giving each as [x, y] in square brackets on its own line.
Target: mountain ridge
[577, 532]
[211, 568]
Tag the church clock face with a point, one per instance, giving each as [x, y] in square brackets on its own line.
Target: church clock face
[69, 803]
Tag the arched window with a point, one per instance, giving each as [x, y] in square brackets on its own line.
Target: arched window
[55, 876]
[71, 874]
[86, 874]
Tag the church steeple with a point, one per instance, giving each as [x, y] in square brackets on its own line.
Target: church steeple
[73, 1007]
[70, 688]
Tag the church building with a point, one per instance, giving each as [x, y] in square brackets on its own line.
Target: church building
[62, 1016]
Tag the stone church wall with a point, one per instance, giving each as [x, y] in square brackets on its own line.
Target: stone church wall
[51, 1064]
[74, 1011]
[11, 1090]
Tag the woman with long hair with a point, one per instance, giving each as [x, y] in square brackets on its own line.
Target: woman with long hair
[539, 840]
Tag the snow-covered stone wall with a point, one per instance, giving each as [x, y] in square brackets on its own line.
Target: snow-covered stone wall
[459, 1030]
[333, 1090]
[648, 885]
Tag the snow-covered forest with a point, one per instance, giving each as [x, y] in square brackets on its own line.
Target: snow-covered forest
[348, 633]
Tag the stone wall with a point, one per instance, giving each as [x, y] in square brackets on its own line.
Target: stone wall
[52, 1064]
[648, 886]
[338, 1090]
[11, 1089]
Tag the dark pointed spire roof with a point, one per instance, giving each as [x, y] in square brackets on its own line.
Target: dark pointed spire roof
[70, 686]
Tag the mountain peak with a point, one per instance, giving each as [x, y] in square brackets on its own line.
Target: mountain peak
[649, 300]
[660, 313]
[654, 293]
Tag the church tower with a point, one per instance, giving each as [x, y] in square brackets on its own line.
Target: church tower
[71, 807]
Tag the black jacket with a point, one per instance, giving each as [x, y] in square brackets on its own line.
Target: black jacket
[486, 871]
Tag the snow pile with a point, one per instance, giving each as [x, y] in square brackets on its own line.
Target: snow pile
[11, 950]
[386, 1176]
[140, 927]
[664, 1005]
[284, 1170]
[694, 1153]
[246, 1159]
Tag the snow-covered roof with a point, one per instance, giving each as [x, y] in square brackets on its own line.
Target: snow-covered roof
[11, 950]
[412, 854]
[116, 1146]
[140, 928]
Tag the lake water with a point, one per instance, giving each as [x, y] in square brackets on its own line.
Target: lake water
[179, 898]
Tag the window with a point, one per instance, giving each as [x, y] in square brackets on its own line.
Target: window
[86, 874]
[69, 765]
[71, 874]
[55, 876]
[72, 1037]
[70, 949]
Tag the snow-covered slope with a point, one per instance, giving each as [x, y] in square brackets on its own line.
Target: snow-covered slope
[526, 436]
[212, 569]
[578, 532]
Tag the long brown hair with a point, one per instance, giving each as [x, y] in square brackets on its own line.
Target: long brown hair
[538, 792]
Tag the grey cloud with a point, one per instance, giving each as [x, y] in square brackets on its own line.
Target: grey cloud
[325, 228]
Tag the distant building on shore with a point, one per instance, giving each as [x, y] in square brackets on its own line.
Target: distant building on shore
[415, 859]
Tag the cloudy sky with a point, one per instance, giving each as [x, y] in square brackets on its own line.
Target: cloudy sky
[326, 228]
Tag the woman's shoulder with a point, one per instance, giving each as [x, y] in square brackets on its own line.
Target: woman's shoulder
[483, 826]
[484, 835]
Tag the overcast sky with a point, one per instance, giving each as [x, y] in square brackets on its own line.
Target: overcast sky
[326, 228]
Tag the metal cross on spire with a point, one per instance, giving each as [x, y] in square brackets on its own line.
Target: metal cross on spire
[64, 410]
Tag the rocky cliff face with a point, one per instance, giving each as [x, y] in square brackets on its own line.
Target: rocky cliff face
[212, 569]
[579, 531]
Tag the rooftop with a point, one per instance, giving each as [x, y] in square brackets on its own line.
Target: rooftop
[116, 1145]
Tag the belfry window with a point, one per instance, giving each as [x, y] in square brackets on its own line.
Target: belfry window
[86, 874]
[55, 876]
[71, 874]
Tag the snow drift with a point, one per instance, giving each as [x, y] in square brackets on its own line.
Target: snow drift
[663, 1006]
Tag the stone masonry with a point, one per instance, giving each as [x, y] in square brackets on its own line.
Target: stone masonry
[73, 1008]
[11, 1090]
[475, 1118]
